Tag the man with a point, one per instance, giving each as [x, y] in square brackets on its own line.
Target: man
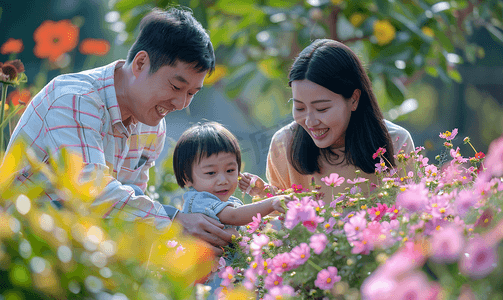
[113, 117]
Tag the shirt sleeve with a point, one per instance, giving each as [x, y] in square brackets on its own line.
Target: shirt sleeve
[277, 173]
[205, 203]
[77, 123]
[401, 138]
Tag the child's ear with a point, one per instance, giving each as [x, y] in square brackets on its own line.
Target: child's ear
[187, 183]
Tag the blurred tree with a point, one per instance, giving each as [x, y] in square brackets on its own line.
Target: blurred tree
[400, 40]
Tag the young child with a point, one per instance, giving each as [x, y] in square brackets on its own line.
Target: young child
[207, 160]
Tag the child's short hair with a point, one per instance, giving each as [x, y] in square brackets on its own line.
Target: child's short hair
[202, 140]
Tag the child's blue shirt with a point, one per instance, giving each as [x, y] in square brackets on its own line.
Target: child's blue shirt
[206, 203]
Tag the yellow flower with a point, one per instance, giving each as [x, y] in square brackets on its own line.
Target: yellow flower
[6, 107]
[68, 179]
[219, 73]
[357, 19]
[336, 2]
[384, 32]
[13, 161]
[427, 31]
[239, 294]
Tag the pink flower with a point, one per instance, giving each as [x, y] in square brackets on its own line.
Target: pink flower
[414, 286]
[318, 242]
[414, 198]
[447, 244]
[179, 249]
[329, 226]
[254, 225]
[494, 158]
[379, 152]
[479, 260]
[273, 280]
[228, 276]
[326, 278]
[297, 211]
[431, 171]
[282, 263]
[310, 219]
[457, 156]
[393, 212]
[280, 292]
[378, 286]
[362, 247]
[354, 227]
[357, 180]
[171, 243]
[249, 280]
[376, 213]
[333, 204]
[449, 135]
[300, 254]
[244, 244]
[381, 166]
[334, 180]
[257, 243]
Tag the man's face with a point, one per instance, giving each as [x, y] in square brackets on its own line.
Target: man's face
[152, 96]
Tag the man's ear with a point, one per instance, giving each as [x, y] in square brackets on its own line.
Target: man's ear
[141, 63]
[355, 99]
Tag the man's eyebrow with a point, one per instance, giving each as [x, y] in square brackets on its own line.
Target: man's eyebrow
[183, 80]
[315, 101]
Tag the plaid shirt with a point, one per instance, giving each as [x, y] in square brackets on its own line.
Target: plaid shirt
[80, 112]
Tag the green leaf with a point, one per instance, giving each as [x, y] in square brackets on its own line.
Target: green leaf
[126, 5]
[432, 71]
[395, 90]
[455, 75]
[239, 80]
[383, 6]
[281, 3]
[237, 8]
[269, 67]
[495, 33]
[411, 26]
[444, 41]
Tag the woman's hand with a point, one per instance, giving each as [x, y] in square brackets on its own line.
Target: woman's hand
[251, 184]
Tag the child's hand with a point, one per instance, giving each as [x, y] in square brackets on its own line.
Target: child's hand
[277, 202]
[251, 184]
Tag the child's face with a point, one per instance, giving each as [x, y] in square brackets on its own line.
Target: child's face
[216, 174]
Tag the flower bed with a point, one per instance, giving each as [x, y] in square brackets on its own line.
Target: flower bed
[429, 233]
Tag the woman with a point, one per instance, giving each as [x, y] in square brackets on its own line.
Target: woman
[337, 126]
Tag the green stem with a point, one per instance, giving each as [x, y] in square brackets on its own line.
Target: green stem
[10, 116]
[318, 268]
[472, 147]
[2, 112]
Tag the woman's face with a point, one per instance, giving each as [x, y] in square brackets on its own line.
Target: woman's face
[322, 113]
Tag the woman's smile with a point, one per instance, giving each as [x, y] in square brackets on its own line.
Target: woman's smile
[319, 133]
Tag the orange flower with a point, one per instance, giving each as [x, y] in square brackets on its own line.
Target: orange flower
[94, 47]
[55, 38]
[19, 96]
[12, 46]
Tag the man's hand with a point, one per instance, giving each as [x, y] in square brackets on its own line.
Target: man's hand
[206, 229]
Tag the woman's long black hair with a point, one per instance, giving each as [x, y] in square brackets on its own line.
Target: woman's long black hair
[334, 66]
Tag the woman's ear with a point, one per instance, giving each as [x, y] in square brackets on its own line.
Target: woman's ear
[355, 99]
